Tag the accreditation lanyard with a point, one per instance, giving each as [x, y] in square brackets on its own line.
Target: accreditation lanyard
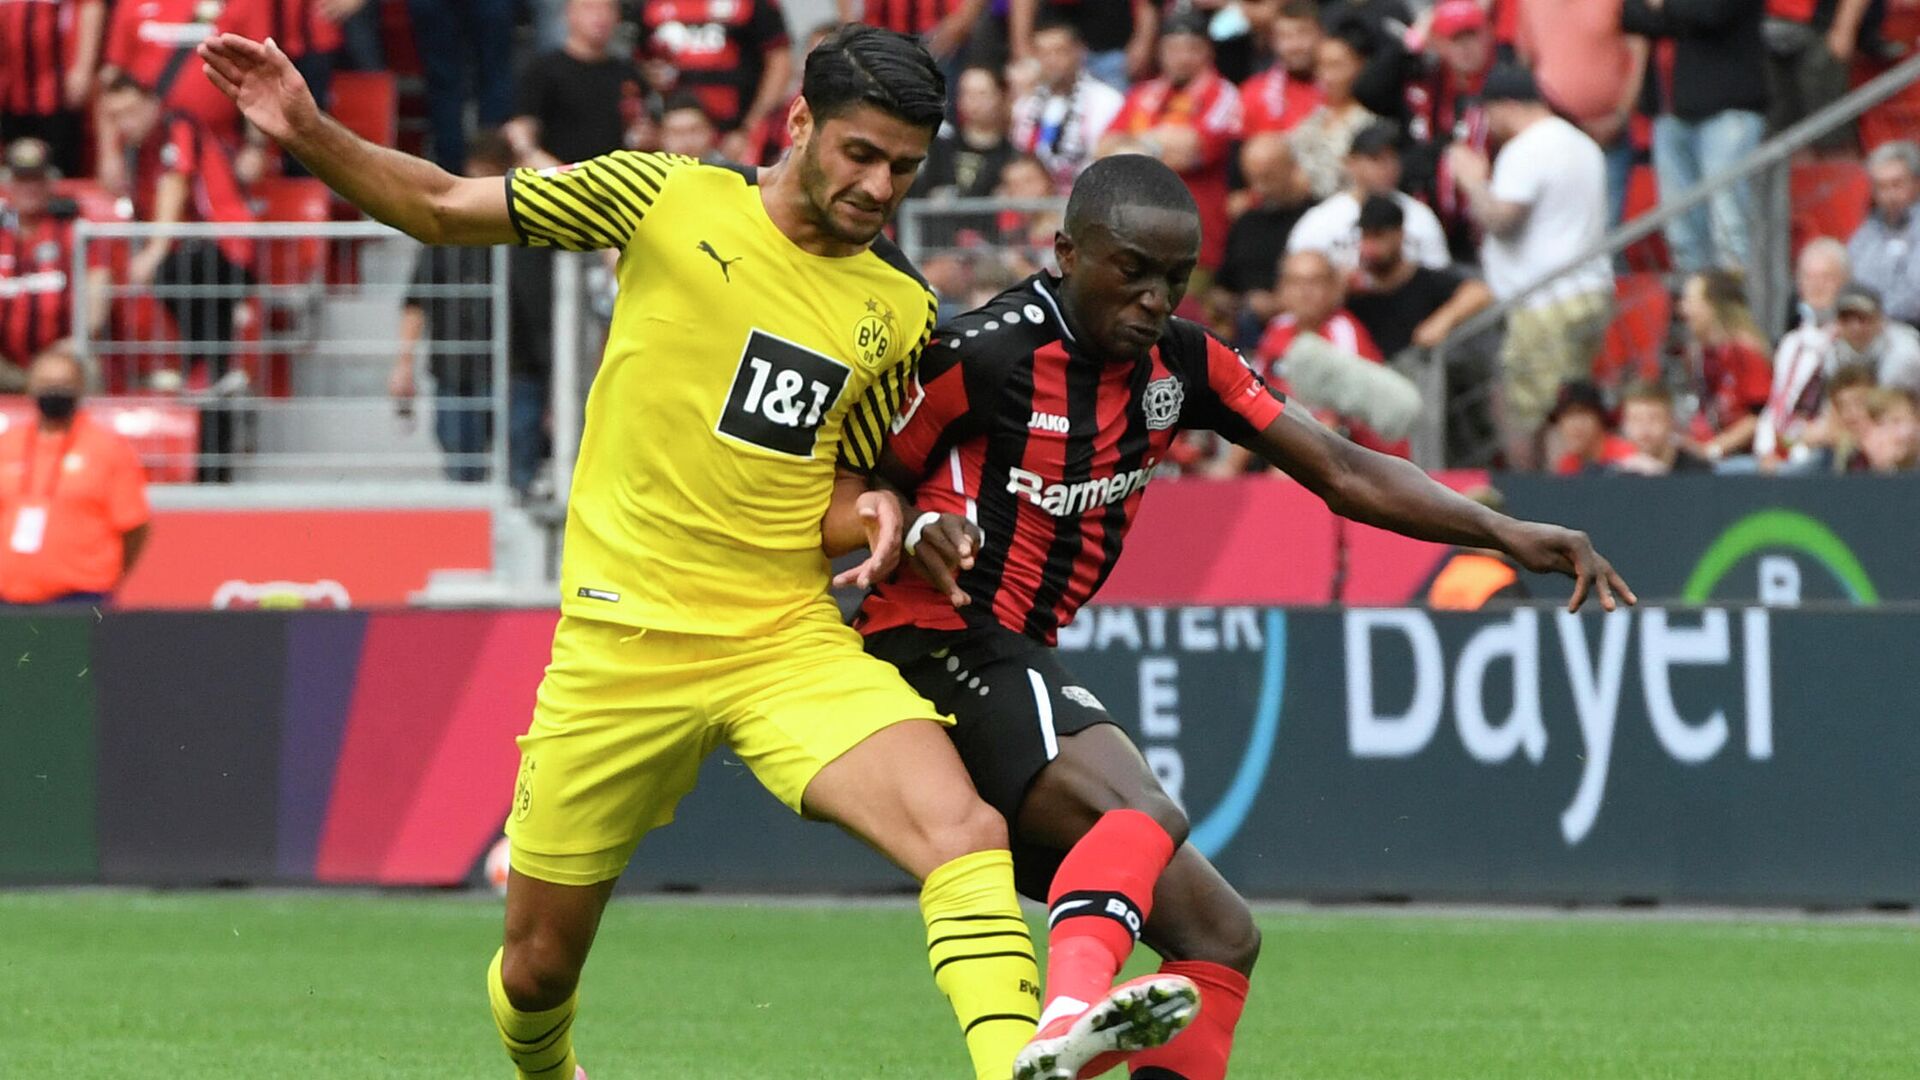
[29, 531]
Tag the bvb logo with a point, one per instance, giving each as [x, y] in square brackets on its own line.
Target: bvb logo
[873, 335]
[523, 791]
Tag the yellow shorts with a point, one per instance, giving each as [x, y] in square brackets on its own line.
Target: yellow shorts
[624, 718]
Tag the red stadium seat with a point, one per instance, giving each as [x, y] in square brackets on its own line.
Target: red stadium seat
[1829, 199]
[1638, 337]
[367, 103]
[292, 262]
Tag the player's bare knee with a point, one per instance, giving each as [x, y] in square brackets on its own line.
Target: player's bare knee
[977, 828]
[1229, 938]
[538, 974]
[1167, 814]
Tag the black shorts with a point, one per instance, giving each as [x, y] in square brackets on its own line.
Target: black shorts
[1013, 701]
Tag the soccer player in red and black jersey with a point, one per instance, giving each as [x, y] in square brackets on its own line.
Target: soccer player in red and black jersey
[943, 26]
[1031, 438]
[48, 50]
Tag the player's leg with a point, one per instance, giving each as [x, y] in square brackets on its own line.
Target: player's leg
[533, 981]
[838, 736]
[1203, 930]
[611, 750]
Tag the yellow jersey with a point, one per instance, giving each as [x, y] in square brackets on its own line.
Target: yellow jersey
[739, 370]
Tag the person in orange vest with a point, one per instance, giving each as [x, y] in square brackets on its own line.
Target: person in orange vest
[73, 497]
[1470, 578]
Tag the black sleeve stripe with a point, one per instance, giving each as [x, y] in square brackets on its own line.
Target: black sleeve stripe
[549, 224]
[513, 213]
[573, 201]
[606, 212]
[630, 172]
[620, 185]
[606, 188]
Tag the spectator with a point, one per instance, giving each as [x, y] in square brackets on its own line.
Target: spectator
[1712, 68]
[1865, 336]
[1372, 169]
[73, 499]
[1728, 356]
[48, 52]
[1118, 36]
[1892, 440]
[1809, 47]
[1029, 234]
[1312, 302]
[1401, 303]
[1063, 118]
[1277, 99]
[1591, 72]
[182, 174]
[464, 45]
[1258, 236]
[449, 309]
[772, 138]
[1582, 432]
[36, 257]
[152, 42]
[577, 102]
[1844, 427]
[1320, 141]
[1804, 359]
[1445, 106]
[1885, 250]
[1541, 206]
[1380, 29]
[734, 57]
[943, 26]
[1647, 421]
[966, 159]
[685, 128]
[1189, 118]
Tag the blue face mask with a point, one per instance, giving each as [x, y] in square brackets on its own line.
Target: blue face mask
[57, 405]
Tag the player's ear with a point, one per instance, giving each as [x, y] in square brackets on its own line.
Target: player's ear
[799, 121]
[1063, 252]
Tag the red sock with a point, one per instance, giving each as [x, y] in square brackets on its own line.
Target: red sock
[1100, 899]
[1201, 1051]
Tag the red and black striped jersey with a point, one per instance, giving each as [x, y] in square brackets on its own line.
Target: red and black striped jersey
[180, 144]
[36, 264]
[37, 43]
[154, 41]
[910, 17]
[717, 47]
[1049, 449]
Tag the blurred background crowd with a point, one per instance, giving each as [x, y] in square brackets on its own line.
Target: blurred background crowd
[1379, 179]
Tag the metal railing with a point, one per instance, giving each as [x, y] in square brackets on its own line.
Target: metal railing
[1770, 278]
[995, 242]
[279, 339]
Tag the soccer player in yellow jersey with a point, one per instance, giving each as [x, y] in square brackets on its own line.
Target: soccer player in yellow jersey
[763, 339]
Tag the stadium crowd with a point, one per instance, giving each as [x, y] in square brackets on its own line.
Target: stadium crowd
[1372, 174]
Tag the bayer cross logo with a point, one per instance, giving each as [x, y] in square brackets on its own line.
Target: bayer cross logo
[1162, 403]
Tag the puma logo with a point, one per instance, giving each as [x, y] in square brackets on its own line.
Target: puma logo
[725, 274]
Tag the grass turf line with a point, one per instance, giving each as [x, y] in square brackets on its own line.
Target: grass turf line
[106, 985]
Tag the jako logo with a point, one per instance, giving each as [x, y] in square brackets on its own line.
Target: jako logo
[1595, 683]
[1046, 421]
[1067, 500]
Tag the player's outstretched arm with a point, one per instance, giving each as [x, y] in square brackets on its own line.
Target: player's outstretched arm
[1392, 493]
[417, 197]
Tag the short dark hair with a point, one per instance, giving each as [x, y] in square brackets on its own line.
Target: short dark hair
[1049, 22]
[1381, 213]
[125, 81]
[1125, 180]
[1652, 392]
[865, 65]
[683, 100]
[1849, 376]
[1300, 9]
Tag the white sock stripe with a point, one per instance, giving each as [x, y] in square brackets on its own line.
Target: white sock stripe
[1044, 703]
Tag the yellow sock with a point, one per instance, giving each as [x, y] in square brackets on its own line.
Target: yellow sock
[982, 956]
[540, 1043]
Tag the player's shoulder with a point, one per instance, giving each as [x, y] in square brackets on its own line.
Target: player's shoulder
[999, 334]
[1187, 345]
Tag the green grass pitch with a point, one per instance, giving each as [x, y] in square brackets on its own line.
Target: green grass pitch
[110, 985]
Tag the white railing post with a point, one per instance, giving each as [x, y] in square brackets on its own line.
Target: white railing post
[568, 285]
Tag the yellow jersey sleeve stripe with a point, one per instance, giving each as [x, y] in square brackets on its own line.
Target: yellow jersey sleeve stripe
[868, 421]
[598, 203]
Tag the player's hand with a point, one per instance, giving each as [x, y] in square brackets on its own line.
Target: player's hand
[76, 87]
[884, 519]
[271, 94]
[948, 546]
[1552, 549]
